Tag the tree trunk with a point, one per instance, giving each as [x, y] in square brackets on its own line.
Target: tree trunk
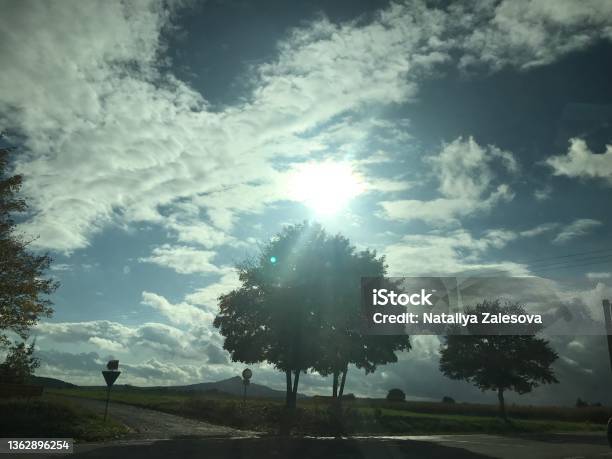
[296, 380]
[335, 387]
[502, 405]
[289, 389]
[342, 382]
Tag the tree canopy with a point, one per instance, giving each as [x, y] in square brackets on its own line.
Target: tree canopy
[499, 362]
[24, 289]
[299, 308]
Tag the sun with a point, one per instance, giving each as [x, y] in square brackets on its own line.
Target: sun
[325, 187]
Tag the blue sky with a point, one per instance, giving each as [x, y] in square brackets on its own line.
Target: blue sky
[160, 142]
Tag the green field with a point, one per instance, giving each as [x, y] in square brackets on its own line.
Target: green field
[52, 416]
[361, 416]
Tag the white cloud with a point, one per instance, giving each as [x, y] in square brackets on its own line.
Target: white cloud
[528, 33]
[106, 344]
[581, 162]
[208, 296]
[466, 183]
[540, 229]
[180, 313]
[599, 275]
[146, 339]
[542, 194]
[112, 136]
[577, 228]
[454, 253]
[183, 259]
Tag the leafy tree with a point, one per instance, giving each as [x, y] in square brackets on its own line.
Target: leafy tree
[396, 395]
[299, 308]
[342, 338]
[499, 362]
[19, 364]
[23, 288]
[273, 316]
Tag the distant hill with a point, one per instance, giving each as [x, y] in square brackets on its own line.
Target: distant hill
[234, 386]
[49, 382]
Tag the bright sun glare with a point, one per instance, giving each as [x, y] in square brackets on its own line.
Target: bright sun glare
[325, 187]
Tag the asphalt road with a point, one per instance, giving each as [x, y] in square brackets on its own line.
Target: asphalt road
[159, 435]
[149, 424]
[430, 447]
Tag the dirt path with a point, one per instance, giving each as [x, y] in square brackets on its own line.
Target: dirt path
[150, 424]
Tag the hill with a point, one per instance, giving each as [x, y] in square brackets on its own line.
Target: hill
[234, 386]
[49, 382]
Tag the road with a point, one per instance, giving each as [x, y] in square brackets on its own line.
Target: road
[149, 424]
[160, 435]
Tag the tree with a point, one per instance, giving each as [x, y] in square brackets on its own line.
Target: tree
[24, 290]
[274, 315]
[299, 308]
[342, 338]
[19, 364]
[396, 395]
[499, 362]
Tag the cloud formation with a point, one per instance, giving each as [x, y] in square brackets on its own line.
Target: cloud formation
[581, 162]
[466, 184]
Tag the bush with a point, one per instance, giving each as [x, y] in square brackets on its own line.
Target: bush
[447, 399]
[396, 395]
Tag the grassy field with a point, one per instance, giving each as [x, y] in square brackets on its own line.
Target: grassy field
[362, 416]
[55, 417]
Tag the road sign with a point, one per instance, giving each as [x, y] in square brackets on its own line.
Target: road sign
[247, 374]
[110, 376]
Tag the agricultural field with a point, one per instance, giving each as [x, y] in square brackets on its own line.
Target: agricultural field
[53, 416]
[315, 416]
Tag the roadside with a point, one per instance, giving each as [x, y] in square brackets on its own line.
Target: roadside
[149, 424]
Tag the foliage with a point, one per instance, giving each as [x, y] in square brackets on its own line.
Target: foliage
[19, 364]
[499, 362]
[55, 418]
[447, 399]
[396, 395]
[23, 288]
[299, 308]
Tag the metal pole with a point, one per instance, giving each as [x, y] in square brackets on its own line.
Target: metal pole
[244, 394]
[107, 399]
[608, 317]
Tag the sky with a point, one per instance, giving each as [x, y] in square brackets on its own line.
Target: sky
[162, 142]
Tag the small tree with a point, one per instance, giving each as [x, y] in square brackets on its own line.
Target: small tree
[19, 364]
[499, 362]
[24, 290]
[396, 395]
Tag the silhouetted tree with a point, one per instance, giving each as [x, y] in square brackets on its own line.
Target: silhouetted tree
[396, 395]
[342, 338]
[275, 316]
[499, 362]
[19, 364]
[299, 308]
[23, 288]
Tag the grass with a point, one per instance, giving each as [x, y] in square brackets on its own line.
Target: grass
[362, 416]
[50, 417]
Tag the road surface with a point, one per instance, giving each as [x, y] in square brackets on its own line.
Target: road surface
[160, 435]
[150, 424]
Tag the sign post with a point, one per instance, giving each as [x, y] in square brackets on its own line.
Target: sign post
[607, 310]
[246, 380]
[110, 376]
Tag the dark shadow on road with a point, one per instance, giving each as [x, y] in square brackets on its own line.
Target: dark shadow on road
[294, 448]
[560, 438]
